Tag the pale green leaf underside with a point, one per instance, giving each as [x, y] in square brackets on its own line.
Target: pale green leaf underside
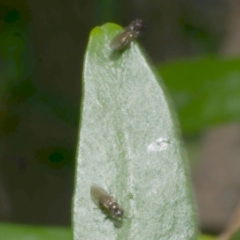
[128, 147]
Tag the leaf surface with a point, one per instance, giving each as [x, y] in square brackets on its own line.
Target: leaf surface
[129, 147]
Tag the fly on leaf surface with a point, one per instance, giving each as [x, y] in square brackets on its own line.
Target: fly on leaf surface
[123, 39]
[106, 203]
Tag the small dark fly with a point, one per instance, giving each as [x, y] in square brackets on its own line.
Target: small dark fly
[123, 39]
[106, 203]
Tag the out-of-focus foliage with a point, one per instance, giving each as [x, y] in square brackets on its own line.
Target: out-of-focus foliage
[21, 232]
[236, 235]
[207, 237]
[15, 56]
[205, 91]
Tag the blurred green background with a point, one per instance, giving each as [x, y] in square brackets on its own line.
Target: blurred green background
[194, 46]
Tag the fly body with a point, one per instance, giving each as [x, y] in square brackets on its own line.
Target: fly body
[105, 202]
[123, 39]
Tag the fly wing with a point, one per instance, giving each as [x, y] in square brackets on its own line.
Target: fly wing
[121, 40]
[99, 195]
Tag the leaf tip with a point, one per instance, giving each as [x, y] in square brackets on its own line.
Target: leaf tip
[96, 31]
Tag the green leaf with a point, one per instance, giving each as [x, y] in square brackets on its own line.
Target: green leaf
[206, 91]
[16, 63]
[129, 147]
[235, 235]
[207, 237]
[24, 232]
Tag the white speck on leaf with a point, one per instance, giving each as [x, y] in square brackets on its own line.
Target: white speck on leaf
[158, 145]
